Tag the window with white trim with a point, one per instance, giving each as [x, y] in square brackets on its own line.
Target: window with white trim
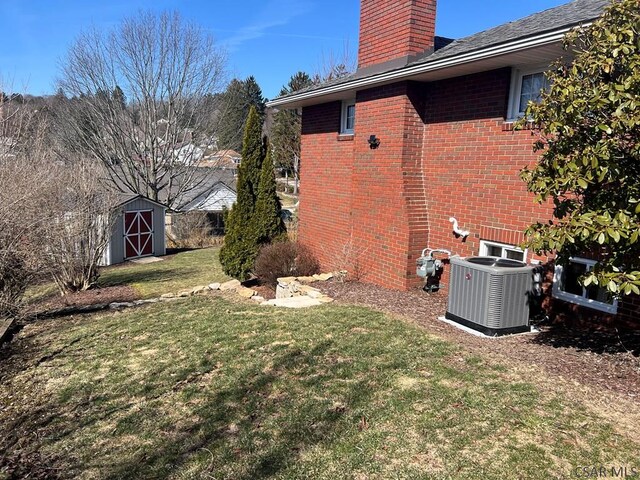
[566, 286]
[348, 117]
[526, 86]
[504, 250]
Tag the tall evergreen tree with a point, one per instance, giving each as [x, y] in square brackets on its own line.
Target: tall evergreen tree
[119, 98]
[287, 127]
[238, 98]
[268, 222]
[240, 244]
[254, 96]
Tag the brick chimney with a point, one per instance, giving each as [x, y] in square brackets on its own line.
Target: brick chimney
[395, 30]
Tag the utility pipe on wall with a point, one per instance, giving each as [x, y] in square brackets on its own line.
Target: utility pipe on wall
[457, 230]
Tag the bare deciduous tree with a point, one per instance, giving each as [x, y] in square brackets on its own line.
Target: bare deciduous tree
[141, 99]
[333, 66]
[24, 183]
[82, 216]
[55, 217]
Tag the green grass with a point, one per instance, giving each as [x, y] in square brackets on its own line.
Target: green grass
[287, 200]
[208, 388]
[177, 272]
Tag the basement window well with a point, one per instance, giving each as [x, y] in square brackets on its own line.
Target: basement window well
[567, 288]
[348, 117]
[503, 250]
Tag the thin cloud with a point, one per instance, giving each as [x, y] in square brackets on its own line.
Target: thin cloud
[276, 13]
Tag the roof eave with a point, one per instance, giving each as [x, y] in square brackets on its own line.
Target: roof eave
[315, 96]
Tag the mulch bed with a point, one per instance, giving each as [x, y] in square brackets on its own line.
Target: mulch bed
[599, 359]
[94, 296]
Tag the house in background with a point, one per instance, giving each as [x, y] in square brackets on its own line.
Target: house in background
[226, 159]
[422, 132]
[213, 192]
[138, 230]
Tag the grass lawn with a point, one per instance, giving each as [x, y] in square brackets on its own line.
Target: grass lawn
[287, 200]
[213, 388]
[176, 272]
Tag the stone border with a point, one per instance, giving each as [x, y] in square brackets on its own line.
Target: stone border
[291, 292]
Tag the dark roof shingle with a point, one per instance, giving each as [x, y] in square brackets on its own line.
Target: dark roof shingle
[565, 16]
[573, 13]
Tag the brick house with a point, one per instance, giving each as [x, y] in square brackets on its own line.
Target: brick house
[442, 111]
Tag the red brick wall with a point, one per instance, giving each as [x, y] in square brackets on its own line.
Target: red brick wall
[472, 163]
[361, 209]
[326, 170]
[393, 29]
[445, 150]
[389, 205]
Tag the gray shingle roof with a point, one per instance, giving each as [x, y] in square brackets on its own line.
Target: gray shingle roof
[564, 16]
[573, 13]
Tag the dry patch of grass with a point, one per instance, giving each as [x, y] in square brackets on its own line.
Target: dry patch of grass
[176, 272]
[209, 388]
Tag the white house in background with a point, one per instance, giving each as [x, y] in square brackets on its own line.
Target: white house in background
[218, 198]
[214, 191]
[189, 154]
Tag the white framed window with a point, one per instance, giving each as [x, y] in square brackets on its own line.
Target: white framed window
[526, 86]
[495, 249]
[348, 117]
[566, 287]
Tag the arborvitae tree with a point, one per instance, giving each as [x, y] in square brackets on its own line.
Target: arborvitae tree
[590, 142]
[238, 98]
[268, 222]
[240, 244]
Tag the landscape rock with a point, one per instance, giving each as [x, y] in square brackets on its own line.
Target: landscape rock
[325, 299]
[294, 302]
[307, 279]
[118, 305]
[323, 277]
[230, 285]
[214, 286]
[257, 299]
[168, 295]
[282, 291]
[305, 289]
[5, 325]
[286, 280]
[199, 289]
[245, 292]
[315, 294]
[185, 293]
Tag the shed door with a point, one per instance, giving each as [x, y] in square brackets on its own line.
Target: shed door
[138, 233]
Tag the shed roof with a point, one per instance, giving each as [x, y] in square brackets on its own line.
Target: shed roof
[125, 198]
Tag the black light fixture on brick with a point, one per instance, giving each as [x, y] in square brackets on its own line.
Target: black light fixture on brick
[374, 142]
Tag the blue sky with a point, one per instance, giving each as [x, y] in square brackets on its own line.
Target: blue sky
[269, 39]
